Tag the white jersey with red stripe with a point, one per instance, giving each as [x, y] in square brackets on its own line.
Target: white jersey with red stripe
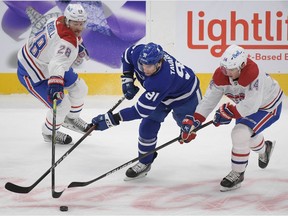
[50, 52]
[254, 90]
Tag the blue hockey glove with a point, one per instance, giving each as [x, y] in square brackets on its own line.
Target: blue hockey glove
[223, 115]
[105, 121]
[55, 88]
[128, 88]
[189, 124]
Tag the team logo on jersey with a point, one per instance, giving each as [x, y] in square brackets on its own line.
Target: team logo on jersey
[236, 98]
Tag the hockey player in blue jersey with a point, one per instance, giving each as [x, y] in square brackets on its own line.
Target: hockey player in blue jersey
[169, 85]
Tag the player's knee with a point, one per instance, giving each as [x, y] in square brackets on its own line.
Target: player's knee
[78, 90]
[63, 109]
[64, 106]
[241, 135]
[149, 129]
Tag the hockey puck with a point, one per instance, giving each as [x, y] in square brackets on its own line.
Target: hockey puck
[63, 208]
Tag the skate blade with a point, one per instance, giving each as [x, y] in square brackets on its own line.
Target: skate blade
[71, 143]
[70, 127]
[265, 165]
[57, 143]
[142, 175]
[224, 189]
[272, 149]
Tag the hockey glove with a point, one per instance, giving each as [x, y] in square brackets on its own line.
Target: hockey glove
[55, 88]
[223, 115]
[105, 121]
[189, 124]
[128, 88]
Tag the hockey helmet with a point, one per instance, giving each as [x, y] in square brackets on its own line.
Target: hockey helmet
[233, 57]
[151, 54]
[75, 12]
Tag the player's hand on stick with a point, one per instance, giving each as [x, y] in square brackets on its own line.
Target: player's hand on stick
[223, 115]
[189, 124]
[105, 121]
[55, 88]
[128, 88]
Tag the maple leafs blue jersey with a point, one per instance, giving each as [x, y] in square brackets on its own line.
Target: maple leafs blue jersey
[173, 84]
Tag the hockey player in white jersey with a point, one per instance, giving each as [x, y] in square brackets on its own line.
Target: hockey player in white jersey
[45, 69]
[258, 103]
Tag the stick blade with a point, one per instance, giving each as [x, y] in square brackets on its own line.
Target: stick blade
[57, 194]
[16, 188]
[77, 184]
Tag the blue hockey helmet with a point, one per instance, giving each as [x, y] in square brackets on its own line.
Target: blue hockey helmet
[151, 54]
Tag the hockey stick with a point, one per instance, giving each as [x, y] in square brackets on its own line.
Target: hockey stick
[20, 189]
[82, 184]
[54, 109]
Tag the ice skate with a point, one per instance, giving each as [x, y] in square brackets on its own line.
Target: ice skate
[263, 159]
[137, 171]
[78, 125]
[61, 138]
[232, 181]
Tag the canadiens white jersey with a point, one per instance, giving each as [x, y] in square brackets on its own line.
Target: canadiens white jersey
[254, 90]
[50, 52]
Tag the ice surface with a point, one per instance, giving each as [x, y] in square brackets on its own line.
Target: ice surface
[184, 179]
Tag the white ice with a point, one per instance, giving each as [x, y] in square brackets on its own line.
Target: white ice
[184, 179]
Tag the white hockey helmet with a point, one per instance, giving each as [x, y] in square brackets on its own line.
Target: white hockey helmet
[233, 57]
[75, 12]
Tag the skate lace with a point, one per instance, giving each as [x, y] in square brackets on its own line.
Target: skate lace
[80, 123]
[139, 167]
[60, 136]
[233, 176]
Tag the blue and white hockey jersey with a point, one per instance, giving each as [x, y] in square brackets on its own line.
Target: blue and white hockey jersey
[173, 84]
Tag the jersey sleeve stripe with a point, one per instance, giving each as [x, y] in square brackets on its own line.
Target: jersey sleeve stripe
[183, 96]
[140, 114]
[274, 101]
[37, 70]
[145, 106]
